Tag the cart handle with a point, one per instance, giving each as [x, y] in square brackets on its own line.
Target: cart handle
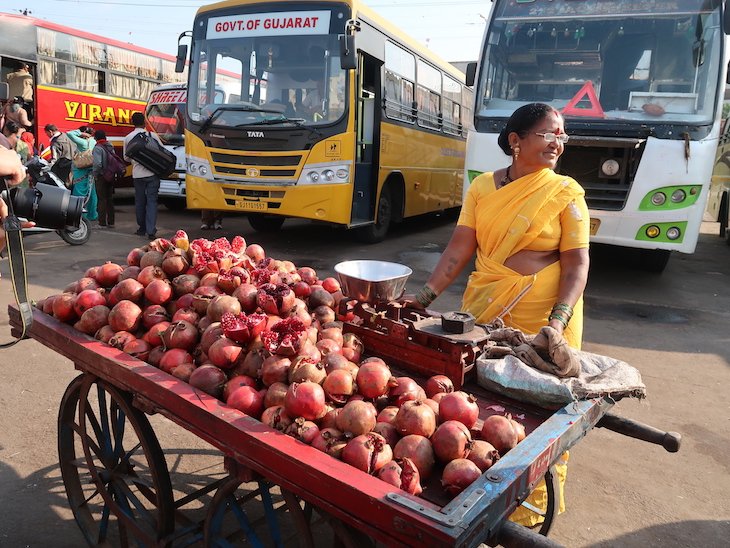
[628, 427]
[514, 535]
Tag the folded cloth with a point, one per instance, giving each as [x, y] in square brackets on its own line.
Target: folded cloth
[547, 351]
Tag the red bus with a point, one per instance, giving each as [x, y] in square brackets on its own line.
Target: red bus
[81, 78]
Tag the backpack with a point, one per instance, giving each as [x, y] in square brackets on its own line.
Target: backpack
[147, 151]
[114, 166]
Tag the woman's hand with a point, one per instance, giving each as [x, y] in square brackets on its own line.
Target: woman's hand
[557, 325]
[409, 301]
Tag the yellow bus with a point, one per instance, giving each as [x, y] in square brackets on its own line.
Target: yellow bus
[337, 117]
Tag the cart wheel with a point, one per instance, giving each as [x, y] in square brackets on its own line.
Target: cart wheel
[113, 468]
[552, 486]
[255, 515]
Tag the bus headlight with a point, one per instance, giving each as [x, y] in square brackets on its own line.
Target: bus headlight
[673, 233]
[678, 196]
[610, 167]
[653, 231]
[330, 172]
[658, 198]
[198, 168]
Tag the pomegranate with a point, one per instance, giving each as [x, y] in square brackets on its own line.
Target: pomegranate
[170, 359]
[120, 339]
[459, 406]
[483, 454]
[174, 262]
[330, 417]
[158, 292]
[185, 284]
[305, 400]
[183, 371]
[150, 273]
[403, 475]
[388, 414]
[246, 294]
[202, 297]
[275, 299]
[519, 428]
[415, 417]
[247, 400]
[86, 299]
[187, 314]
[126, 290]
[208, 378]
[256, 252]
[368, 452]
[338, 386]
[405, 389]
[326, 346]
[320, 297]
[251, 364]
[224, 353]
[151, 258]
[388, 431]
[327, 437]
[275, 394]
[108, 274]
[104, 334]
[275, 369]
[301, 289]
[374, 378]
[458, 475]
[438, 384]
[334, 333]
[154, 334]
[352, 347]
[419, 450]
[138, 348]
[180, 334]
[306, 369]
[323, 315]
[451, 440]
[498, 431]
[285, 337]
[240, 327]
[93, 319]
[303, 430]
[124, 316]
[276, 417]
[129, 272]
[134, 256]
[357, 417]
[222, 304]
[63, 307]
[154, 314]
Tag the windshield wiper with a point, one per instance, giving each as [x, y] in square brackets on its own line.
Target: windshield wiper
[235, 108]
[298, 122]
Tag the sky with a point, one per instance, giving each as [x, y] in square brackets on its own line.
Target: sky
[451, 28]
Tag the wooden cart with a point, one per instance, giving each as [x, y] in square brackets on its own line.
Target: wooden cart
[119, 488]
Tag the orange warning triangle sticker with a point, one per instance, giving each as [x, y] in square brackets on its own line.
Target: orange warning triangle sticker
[587, 91]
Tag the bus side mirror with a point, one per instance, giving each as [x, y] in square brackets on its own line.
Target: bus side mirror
[471, 73]
[182, 55]
[4, 91]
[348, 56]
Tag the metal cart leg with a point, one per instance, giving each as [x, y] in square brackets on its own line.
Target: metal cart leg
[228, 523]
[113, 468]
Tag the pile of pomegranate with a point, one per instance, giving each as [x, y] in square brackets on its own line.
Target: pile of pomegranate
[264, 337]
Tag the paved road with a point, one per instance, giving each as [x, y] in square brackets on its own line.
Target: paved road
[620, 492]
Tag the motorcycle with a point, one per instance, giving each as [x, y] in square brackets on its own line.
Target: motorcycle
[39, 171]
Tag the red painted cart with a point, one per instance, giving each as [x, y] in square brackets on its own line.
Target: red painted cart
[119, 488]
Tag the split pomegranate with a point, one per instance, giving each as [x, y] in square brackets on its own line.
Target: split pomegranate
[285, 337]
[242, 328]
[275, 299]
[402, 474]
[368, 452]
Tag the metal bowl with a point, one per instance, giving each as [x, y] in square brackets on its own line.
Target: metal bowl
[372, 281]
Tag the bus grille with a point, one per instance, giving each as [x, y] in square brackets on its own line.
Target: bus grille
[237, 159]
[262, 172]
[583, 163]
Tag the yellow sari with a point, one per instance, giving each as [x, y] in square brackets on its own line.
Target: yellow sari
[505, 223]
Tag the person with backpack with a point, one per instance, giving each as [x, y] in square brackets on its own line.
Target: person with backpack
[146, 183]
[108, 168]
[81, 171]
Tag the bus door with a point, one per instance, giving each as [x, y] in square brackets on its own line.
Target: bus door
[369, 99]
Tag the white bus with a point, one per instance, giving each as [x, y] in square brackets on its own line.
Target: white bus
[640, 84]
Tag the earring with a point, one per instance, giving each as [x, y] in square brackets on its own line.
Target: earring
[516, 151]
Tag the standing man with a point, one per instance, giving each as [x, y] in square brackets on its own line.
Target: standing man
[62, 153]
[146, 184]
[20, 83]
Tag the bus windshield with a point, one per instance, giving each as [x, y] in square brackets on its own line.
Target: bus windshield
[168, 121]
[273, 74]
[653, 61]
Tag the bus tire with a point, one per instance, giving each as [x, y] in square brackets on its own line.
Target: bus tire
[374, 233]
[723, 217]
[654, 260]
[174, 204]
[265, 223]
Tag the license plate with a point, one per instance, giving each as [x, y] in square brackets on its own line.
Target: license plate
[250, 205]
[595, 223]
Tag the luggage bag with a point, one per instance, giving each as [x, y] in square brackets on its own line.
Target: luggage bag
[146, 150]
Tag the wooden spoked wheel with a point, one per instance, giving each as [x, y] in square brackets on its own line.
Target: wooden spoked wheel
[255, 513]
[116, 478]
